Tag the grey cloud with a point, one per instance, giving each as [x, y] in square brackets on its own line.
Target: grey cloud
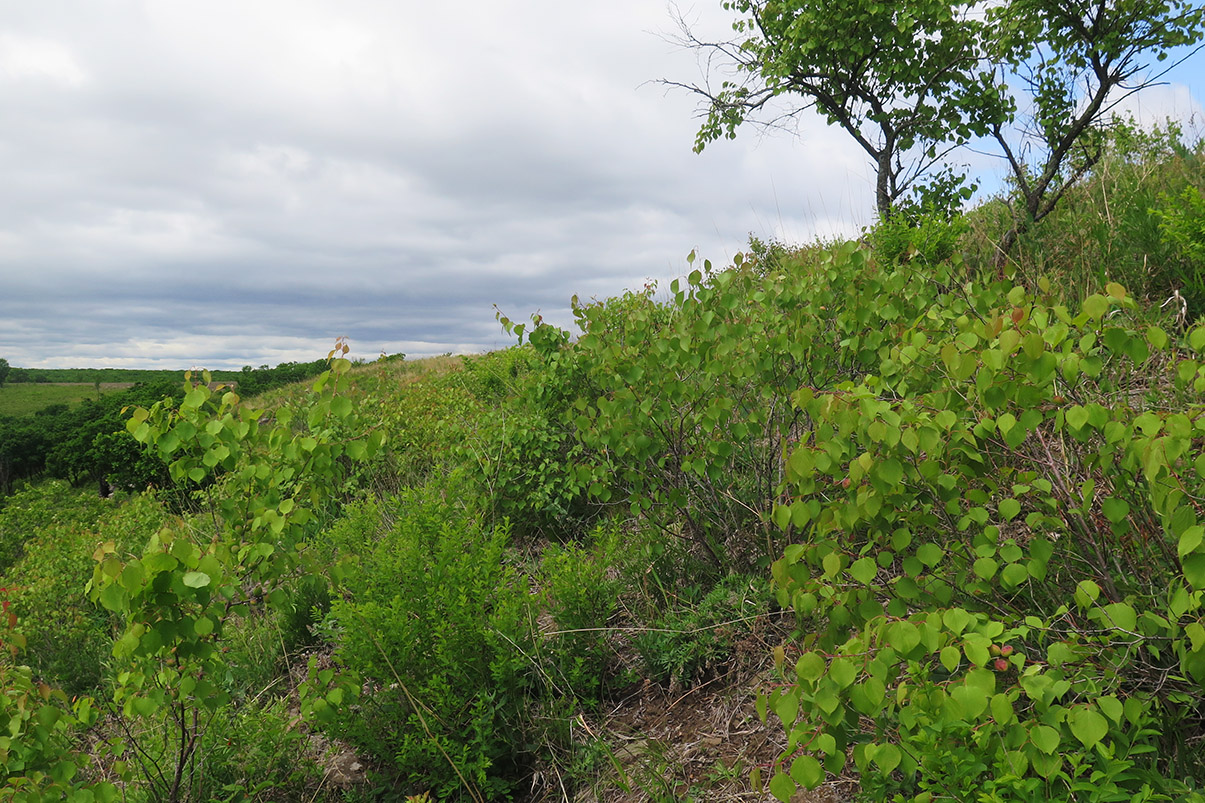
[239, 183]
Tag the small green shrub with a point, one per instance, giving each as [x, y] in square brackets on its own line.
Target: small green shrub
[1182, 221]
[258, 752]
[525, 466]
[441, 628]
[923, 235]
[686, 643]
[582, 596]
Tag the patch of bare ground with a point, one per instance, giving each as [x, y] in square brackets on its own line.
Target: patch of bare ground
[699, 744]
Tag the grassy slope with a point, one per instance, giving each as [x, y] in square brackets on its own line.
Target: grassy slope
[26, 398]
[670, 717]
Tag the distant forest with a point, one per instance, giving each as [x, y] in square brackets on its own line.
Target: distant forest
[87, 443]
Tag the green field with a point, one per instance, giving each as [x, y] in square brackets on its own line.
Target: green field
[27, 398]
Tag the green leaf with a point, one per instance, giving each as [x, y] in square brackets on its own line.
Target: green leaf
[890, 471]
[807, 772]
[1014, 574]
[810, 666]
[1095, 306]
[1122, 616]
[930, 554]
[1086, 592]
[1045, 738]
[842, 672]
[196, 579]
[832, 564]
[903, 637]
[1196, 339]
[887, 757]
[985, 568]
[787, 708]
[1087, 725]
[863, 570]
[1002, 709]
[1009, 508]
[1194, 570]
[781, 785]
[1116, 510]
[1190, 539]
[951, 657]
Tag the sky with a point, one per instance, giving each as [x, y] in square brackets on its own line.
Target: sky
[229, 183]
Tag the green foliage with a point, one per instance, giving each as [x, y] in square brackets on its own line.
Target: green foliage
[995, 558]
[685, 407]
[903, 79]
[582, 591]
[37, 757]
[187, 586]
[1182, 221]
[1103, 229]
[441, 627]
[686, 643]
[258, 753]
[925, 235]
[67, 637]
[44, 506]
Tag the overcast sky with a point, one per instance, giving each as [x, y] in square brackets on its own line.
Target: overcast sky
[224, 183]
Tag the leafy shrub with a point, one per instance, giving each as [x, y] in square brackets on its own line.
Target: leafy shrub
[37, 507]
[69, 639]
[257, 752]
[582, 597]
[925, 235]
[684, 644]
[997, 560]
[525, 466]
[441, 628]
[1182, 221]
[685, 406]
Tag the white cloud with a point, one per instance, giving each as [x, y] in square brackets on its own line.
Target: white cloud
[39, 60]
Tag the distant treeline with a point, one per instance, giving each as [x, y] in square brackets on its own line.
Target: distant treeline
[106, 375]
[88, 443]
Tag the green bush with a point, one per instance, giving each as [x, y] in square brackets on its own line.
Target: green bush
[525, 466]
[995, 560]
[928, 236]
[258, 752]
[37, 507]
[685, 644]
[1182, 221]
[441, 629]
[68, 638]
[582, 594]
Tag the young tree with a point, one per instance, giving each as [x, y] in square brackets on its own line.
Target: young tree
[913, 79]
[1076, 59]
[4, 369]
[905, 79]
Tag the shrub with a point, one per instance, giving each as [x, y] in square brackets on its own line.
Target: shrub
[1182, 221]
[441, 629]
[69, 639]
[997, 561]
[684, 644]
[582, 597]
[37, 507]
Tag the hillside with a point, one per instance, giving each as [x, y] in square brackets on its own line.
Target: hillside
[863, 518]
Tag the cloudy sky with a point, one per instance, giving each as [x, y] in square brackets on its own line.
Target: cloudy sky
[234, 183]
